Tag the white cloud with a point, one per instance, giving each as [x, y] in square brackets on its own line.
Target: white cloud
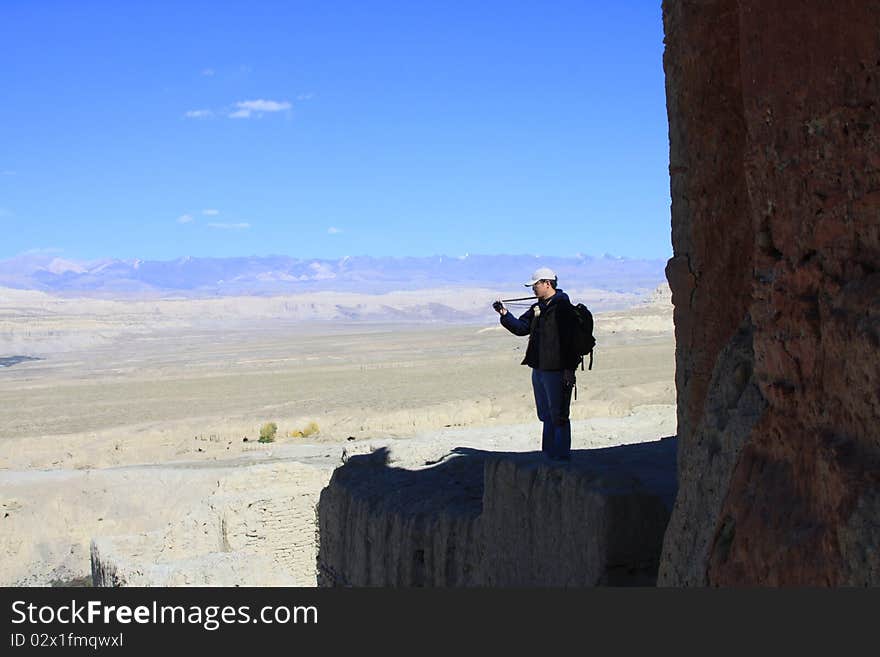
[307, 96]
[41, 251]
[7, 173]
[184, 219]
[244, 109]
[264, 105]
[210, 212]
[247, 108]
[333, 230]
[208, 72]
[199, 114]
[241, 226]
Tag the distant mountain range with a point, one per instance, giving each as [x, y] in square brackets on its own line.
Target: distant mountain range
[271, 275]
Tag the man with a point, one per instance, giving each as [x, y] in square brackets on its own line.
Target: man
[550, 325]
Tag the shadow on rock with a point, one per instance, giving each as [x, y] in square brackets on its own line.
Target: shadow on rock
[481, 518]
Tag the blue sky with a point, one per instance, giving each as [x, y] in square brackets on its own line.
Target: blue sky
[323, 129]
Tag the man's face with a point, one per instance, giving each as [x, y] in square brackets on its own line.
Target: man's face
[542, 289]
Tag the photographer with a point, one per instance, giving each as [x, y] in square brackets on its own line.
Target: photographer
[550, 325]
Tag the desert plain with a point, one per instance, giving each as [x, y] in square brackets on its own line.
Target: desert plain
[128, 416]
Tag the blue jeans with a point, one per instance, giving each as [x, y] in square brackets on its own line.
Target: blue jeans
[552, 400]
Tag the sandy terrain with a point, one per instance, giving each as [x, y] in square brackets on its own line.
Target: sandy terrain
[133, 411]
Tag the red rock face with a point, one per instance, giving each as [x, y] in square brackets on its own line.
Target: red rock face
[801, 504]
[710, 274]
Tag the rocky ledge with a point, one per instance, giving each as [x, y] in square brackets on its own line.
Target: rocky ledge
[477, 518]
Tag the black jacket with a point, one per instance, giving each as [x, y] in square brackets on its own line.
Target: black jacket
[550, 326]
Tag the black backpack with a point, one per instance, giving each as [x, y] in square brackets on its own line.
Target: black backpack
[583, 335]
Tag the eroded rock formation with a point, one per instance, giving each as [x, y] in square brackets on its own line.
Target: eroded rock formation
[775, 179]
[257, 528]
[498, 519]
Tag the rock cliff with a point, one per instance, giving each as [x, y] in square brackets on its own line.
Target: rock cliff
[498, 519]
[775, 180]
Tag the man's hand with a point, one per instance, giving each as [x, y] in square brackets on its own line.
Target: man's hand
[499, 307]
[568, 379]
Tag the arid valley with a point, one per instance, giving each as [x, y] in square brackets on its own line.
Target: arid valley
[135, 418]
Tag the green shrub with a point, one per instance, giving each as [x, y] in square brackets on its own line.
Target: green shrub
[267, 432]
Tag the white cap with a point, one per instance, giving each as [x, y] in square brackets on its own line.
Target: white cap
[542, 274]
